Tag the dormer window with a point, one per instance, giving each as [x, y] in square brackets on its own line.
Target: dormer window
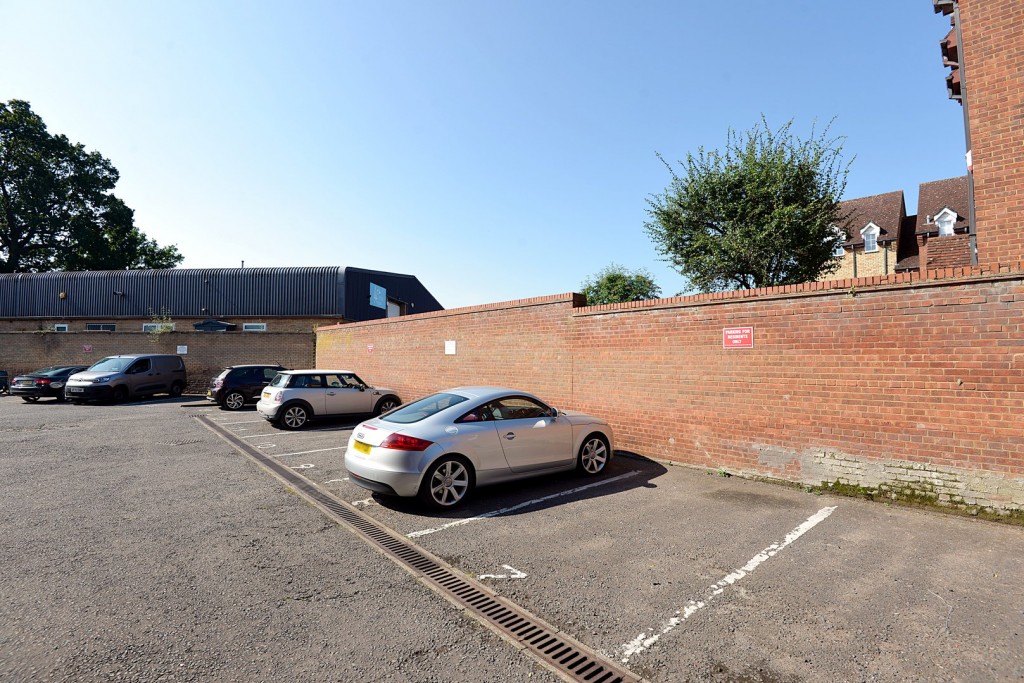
[945, 220]
[870, 234]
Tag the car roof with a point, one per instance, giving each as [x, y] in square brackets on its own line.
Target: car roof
[254, 365]
[316, 371]
[486, 392]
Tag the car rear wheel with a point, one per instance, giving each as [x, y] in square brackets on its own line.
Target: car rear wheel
[446, 483]
[29, 399]
[176, 389]
[385, 404]
[234, 401]
[294, 417]
[593, 455]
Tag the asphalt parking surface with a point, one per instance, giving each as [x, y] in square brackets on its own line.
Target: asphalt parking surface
[136, 544]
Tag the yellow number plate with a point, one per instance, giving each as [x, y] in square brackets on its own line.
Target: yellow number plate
[363, 448]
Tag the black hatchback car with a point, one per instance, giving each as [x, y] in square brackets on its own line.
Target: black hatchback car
[237, 385]
[44, 383]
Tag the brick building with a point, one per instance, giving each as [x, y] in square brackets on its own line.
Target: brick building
[259, 315]
[985, 50]
[871, 234]
[881, 239]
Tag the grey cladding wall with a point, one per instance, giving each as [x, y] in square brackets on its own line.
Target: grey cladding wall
[216, 292]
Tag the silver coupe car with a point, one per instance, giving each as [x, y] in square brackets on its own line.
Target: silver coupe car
[440, 447]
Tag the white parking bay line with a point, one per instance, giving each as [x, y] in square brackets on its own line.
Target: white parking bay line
[243, 422]
[644, 641]
[535, 501]
[319, 450]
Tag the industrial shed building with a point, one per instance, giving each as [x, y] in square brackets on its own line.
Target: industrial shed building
[267, 315]
[329, 295]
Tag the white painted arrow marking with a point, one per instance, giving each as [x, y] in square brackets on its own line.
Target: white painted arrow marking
[513, 574]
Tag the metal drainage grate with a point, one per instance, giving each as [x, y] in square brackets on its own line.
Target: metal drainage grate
[564, 655]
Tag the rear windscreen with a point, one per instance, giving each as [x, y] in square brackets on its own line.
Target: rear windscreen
[423, 408]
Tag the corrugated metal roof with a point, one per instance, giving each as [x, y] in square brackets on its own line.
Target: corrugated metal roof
[185, 292]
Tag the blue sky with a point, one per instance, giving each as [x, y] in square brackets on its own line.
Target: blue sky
[496, 150]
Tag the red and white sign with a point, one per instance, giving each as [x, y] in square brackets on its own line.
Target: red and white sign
[87, 348]
[369, 348]
[737, 337]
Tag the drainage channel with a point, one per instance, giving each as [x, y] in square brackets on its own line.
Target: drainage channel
[565, 656]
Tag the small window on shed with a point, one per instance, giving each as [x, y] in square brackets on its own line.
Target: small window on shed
[254, 327]
[158, 327]
[396, 308]
[101, 327]
[60, 327]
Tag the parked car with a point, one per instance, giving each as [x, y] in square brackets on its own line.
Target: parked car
[4, 385]
[119, 378]
[295, 397]
[441, 447]
[44, 383]
[237, 385]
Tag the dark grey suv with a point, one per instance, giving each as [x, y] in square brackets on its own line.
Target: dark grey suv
[237, 385]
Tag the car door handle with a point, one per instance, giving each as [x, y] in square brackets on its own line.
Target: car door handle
[510, 436]
[331, 393]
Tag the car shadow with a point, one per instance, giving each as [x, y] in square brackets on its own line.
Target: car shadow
[625, 472]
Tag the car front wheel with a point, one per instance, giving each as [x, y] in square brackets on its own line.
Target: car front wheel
[446, 483]
[234, 401]
[294, 417]
[386, 404]
[593, 455]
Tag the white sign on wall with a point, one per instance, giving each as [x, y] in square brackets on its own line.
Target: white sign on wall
[449, 347]
[182, 350]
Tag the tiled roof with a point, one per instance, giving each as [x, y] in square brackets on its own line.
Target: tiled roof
[884, 210]
[937, 195]
[949, 252]
[908, 263]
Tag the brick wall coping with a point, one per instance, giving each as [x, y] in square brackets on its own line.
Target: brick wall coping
[576, 300]
[931, 278]
[942, 277]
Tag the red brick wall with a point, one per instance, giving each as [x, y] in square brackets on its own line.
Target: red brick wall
[526, 344]
[851, 380]
[993, 49]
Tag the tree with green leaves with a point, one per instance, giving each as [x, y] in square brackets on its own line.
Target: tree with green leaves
[615, 284]
[760, 214]
[57, 207]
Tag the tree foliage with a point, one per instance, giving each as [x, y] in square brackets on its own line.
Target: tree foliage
[57, 207]
[759, 214]
[614, 284]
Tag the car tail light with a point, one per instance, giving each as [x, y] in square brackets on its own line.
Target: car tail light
[218, 383]
[401, 442]
[276, 396]
[42, 382]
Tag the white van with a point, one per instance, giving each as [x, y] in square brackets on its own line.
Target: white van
[119, 378]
